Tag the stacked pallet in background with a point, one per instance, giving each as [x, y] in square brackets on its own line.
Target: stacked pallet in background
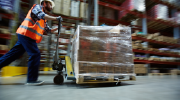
[71, 8]
[106, 12]
[139, 34]
[66, 7]
[177, 17]
[157, 37]
[138, 45]
[58, 9]
[102, 50]
[83, 10]
[159, 11]
[132, 5]
[165, 59]
[140, 69]
[75, 9]
[109, 13]
[62, 7]
[175, 72]
[43, 47]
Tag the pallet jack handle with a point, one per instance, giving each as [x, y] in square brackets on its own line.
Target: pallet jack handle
[56, 57]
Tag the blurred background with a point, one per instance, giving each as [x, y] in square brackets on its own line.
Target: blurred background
[155, 31]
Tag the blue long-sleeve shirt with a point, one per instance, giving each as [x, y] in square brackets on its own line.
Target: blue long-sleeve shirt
[38, 14]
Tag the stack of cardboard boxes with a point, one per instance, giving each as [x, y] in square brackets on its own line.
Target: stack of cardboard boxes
[75, 8]
[137, 45]
[58, 8]
[83, 10]
[71, 8]
[157, 37]
[158, 11]
[102, 50]
[132, 5]
[140, 69]
[175, 72]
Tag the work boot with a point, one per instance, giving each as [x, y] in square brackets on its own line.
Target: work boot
[35, 82]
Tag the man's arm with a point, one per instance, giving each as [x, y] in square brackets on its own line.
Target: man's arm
[39, 14]
[47, 17]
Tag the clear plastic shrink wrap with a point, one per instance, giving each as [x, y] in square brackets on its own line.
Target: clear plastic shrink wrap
[102, 50]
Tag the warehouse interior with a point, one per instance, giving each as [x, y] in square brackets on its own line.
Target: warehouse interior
[107, 49]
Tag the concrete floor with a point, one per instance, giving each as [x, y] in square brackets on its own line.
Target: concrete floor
[145, 88]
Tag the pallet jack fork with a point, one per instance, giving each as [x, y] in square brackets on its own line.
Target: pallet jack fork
[57, 64]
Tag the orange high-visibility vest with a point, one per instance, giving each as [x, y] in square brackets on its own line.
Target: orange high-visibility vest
[31, 29]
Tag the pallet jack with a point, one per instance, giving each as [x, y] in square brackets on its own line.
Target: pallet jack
[69, 72]
[57, 64]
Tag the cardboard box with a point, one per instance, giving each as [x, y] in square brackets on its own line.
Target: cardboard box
[73, 13]
[59, 6]
[103, 46]
[139, 65]
[83, 10]
[77, 4]
[83, 68]
[117, 69]
[66, 7]
[123, 69]
[175, 72]
[159, 11]
[109, 13]
[132, 5]
[140, 69]
[92, 69]
[109, 68]
[101, 68]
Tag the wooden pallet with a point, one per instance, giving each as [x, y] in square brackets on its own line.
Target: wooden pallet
[139, 35]
[156, 25]
[141, 74]
[151, 74]
[139, 48]
[140, 58]
[81, 79]
[129, 17]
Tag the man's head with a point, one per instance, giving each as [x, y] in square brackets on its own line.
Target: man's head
[47, 4]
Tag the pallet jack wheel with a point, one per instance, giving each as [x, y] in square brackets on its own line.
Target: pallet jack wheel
[58, 79]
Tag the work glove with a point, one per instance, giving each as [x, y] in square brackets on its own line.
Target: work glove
[59, 18]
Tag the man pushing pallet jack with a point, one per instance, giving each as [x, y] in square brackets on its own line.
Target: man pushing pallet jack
[30, 33]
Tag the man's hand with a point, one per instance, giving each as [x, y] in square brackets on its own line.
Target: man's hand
[59, 18]
[52, 30]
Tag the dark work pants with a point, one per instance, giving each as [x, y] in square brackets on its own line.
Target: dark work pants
[30, 46]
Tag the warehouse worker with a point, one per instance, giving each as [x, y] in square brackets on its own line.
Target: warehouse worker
[30, 33]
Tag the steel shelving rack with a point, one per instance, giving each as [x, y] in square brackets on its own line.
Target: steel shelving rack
[5, 15]
[148, 24]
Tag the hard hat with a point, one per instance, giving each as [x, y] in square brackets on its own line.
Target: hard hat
[49, 1]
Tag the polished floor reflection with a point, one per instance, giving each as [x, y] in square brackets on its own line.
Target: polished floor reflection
[145, 88]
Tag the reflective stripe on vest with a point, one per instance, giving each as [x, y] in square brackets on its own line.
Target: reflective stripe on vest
[30, 29]
[32, 22]
[40, 26]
